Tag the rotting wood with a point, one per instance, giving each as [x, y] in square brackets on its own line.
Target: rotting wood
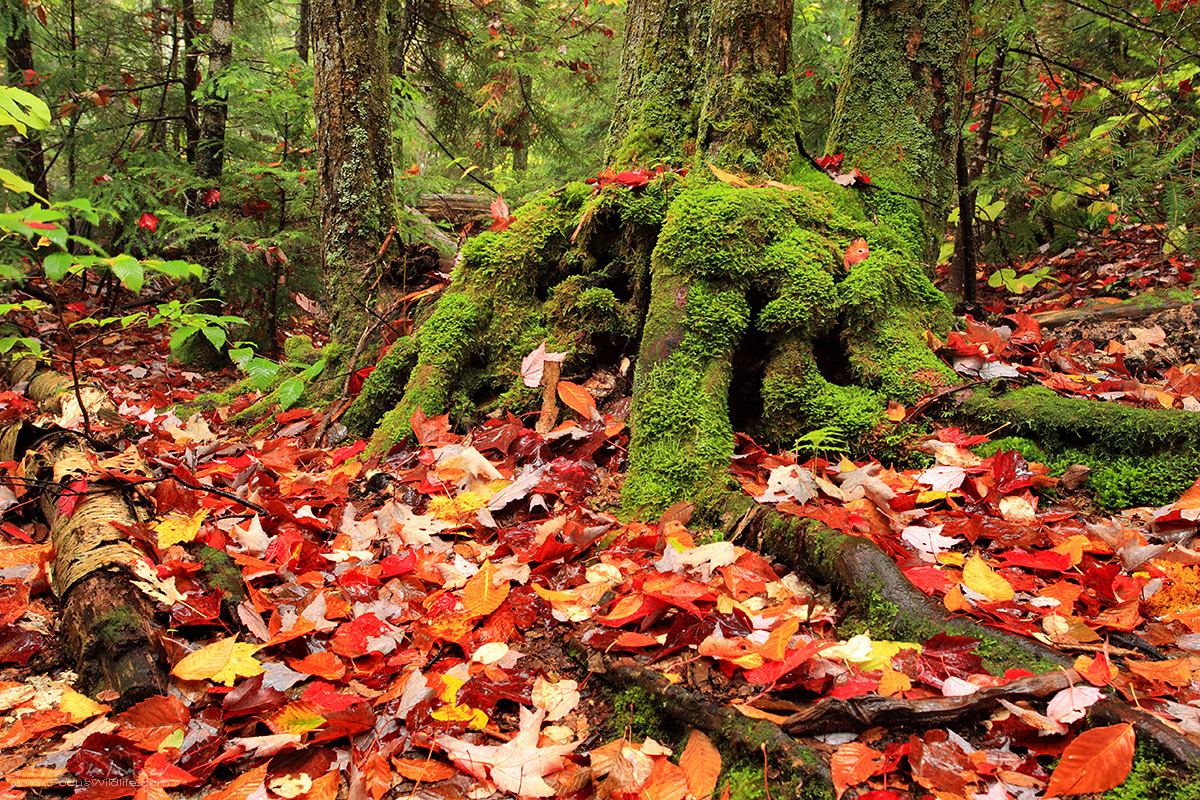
[107, 629]
[1066, 316]
[745, 735]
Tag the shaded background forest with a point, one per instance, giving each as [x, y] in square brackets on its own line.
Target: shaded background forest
[191, 143]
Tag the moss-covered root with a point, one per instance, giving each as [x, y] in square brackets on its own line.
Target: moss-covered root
[889, 303]
[802, 771]
[1150, 728]
[864, 574]
[1061, 423]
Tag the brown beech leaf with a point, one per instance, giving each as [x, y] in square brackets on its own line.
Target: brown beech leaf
[701, 764]
[729, 177]
[578, 399]
[852, 764]
[1096, 761]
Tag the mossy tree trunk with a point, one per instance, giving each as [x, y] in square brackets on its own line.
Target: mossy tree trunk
[18, 51]
[356, 193]
[734, 300]
[899, 107]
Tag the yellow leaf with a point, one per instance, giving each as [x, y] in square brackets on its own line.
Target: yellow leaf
[221, 662]
[979, 577]
[481, 595]
[295, 718]
[893, 683]
[178, 530]
[79, 707]
[882, 652]
[729, 177]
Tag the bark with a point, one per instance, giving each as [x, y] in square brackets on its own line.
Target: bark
[899, 107]
[18, 50]
[356, 194]
[210, 149]
[654, 120]
[107, 631]
[749, 118]
[191, 80]
[302, 29]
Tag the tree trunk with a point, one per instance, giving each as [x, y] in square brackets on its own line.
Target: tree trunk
[899, 109]
[18, 50]
[191, 81]
[302, 29]
[735, 300]
[210, 150]
[357, 199]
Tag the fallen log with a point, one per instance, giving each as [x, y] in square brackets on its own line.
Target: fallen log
[798, 764]
[872, 710]
[107, 629]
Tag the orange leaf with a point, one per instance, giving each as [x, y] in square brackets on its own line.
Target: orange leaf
[701, 764]
[481, 595]
[578, 399]
[375, 774]
[856, 252]
[1097, 671]
[1096, 761]
[423, 770]
[729, 177]
[852, 764]
[241, 787]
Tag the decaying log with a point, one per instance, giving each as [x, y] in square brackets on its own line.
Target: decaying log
[868, 711]
[457, 209]
[1056, 319]
[107, 626]
[743, 734]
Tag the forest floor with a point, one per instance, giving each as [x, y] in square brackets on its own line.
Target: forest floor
[469, 616]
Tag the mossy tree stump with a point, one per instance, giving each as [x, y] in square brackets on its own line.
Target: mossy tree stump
[733, 301]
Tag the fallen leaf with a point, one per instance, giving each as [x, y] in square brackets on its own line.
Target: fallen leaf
[701, 764]
[1094, 761]
[852, 764]
[221, 662]
[729, 177]
[519, 765]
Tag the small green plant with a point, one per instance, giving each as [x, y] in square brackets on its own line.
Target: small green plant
[1015, 283]
[263, 372]
[821, 441]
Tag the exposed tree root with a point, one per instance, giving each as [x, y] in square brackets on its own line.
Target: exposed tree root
[862, 573]
[748, 737]
[1185, 751]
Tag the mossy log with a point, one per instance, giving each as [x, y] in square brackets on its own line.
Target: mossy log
[800, 767]
[107, 628]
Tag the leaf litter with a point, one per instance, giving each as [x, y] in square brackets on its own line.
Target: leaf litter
[402, 625]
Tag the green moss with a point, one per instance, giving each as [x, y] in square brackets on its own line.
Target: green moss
[1132, 481]
[682, 436]
[637, 714]
[300, 350]
[117, 628]
[1063, 423]
[1138, 456]
[383, 388]
[1155, 776]
[1028, 449]
[223, 574]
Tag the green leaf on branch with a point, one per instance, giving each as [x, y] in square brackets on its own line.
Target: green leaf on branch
[289, 392]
